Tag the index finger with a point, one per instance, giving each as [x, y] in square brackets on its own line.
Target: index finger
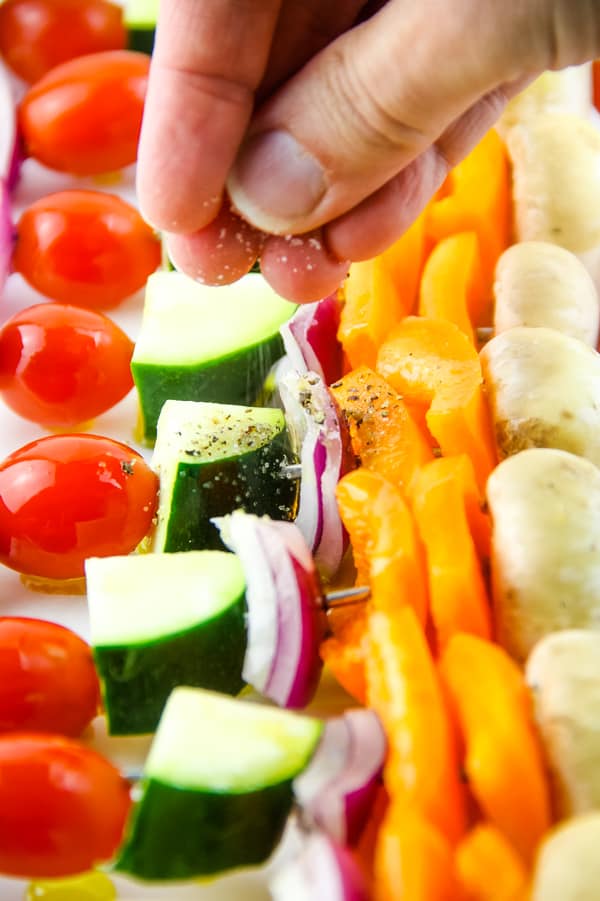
[209, 58]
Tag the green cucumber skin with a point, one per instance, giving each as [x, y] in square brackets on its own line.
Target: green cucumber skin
[141, 39]
[180, 833]
[137, 680]
[233, 379]
[253, 482]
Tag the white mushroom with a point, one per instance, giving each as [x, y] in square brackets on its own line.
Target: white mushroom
[563, 673]
[541, 284]
[556, 181]
[568, 862]
[545, 507]
[544, 391]
[564, 91]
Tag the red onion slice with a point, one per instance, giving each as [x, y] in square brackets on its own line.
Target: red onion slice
[6, 234]
[322, 870]
[310, 338]
[285, 620]
[10, 155]
[337, 789]
[320, 439]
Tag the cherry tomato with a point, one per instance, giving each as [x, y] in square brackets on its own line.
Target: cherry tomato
[85, 247]
[67, 497]
[61, 365]
[63, 807]
[596, 83]
[36, 35]
[85, 115]
[48, 681]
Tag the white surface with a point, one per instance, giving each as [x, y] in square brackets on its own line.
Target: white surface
[15, 599]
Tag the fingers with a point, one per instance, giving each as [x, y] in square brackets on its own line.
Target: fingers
[373, 101]
[303, 29]
[209, 57]
[220, 253]
[300, 267]
[373, 225]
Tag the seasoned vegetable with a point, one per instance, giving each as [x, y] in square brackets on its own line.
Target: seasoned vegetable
[285, 618]
[162, 620]
[204, 343]
[543, 388]
[563, 673]
[321, 870]
[48, 682]
[217, 786]
[320, 438]
[87, 248]
[556, 181]
[61, 365]
[502, 759]
[213, 459]
[84, 116]
[564, 91]
[545, 507]
[67, 497]
[542, 284]
[62, 806]
[36, 35]
[568, 864]
[140, 20]
[339, 785]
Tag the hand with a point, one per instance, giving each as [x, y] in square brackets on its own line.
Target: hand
[328, 124]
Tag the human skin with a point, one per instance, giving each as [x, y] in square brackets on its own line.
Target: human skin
[327, 126]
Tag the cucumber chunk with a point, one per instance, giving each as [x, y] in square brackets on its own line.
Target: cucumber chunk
[140, 20]
[203, 343]
[217, 788]
[212, 459]
[162, 620]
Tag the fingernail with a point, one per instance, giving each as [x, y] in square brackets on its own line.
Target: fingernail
[275, 180]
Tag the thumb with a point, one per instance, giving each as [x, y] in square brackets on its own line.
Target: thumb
[382, 93]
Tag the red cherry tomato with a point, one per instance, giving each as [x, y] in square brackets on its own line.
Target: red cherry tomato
[596, 83]
[67, 497]
[85, 115]
[48, 681]
[36, 35]
[63, 807]
[85, 247]
[61, 365]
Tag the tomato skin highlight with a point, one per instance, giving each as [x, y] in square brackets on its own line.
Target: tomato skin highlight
[84, 116]
[64, 498]
[36, 35]
[63, 807]
[62, 365]
[48, 681]
[86, 248]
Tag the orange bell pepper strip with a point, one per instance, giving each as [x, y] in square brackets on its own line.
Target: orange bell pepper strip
[404, 260]
[488, 867]
[434, 366]
[345, 651]
[503, 761]
[413, 859]
[478, 518]
[379, 293]
[383, 534]
[385, 438]
[370, 310]
[459, 599]
[452, 283]
[477, 197]
[403, 686]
